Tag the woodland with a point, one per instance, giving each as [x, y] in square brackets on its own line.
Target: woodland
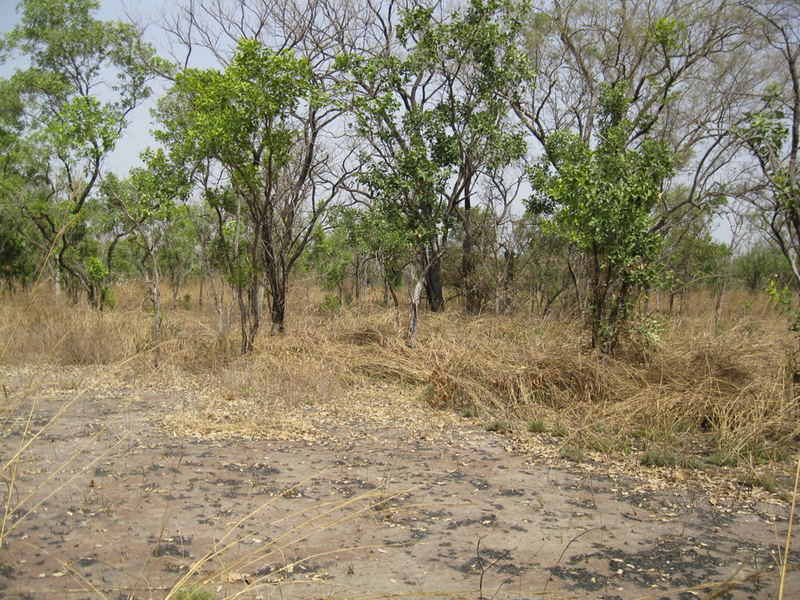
[535, 188]
[467, 154]
[568, 227]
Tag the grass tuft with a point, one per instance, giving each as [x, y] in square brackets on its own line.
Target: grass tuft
[194, 592]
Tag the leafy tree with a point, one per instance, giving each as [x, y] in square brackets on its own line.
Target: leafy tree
[146, 202]
[331, 257]
[602, 199]
[179, 255]
[84, 78]
[685, 64]
[16, 262]
[427, 105]
[761, 263]
[544, 264]
[247, 119]
[771, 130]
[372, 233]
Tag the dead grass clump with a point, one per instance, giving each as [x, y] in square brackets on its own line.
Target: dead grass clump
[67, 334]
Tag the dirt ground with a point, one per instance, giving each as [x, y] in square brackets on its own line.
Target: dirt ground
[112, 504]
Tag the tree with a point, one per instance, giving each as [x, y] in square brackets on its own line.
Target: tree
[371, 233]
[686, 65]
[771, 131]
[84, 79]
[247, 118]
[146, 203]
[602, 200]
[761, 263]
[426, 104]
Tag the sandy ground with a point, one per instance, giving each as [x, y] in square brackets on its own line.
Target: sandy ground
[106, 503]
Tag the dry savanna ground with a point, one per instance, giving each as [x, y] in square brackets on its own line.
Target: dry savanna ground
[686, 406]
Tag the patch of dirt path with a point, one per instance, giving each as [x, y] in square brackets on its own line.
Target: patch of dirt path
[120, 509]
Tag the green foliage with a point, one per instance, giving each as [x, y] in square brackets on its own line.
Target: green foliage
[572, 453]
[433, 142]
[537, 426]
[760, 264]
[194, 592]
[375, 231]
[765, 132]
[245, 120]
[330, 303]
[658, 458]
[767, 482]
[469, 412]
[602, 200]
[61, 116]
[242, 116]
[108, 298]
[669, 33]
[331, 257]
[16, 260]
[649, 329]
[785, 302]
[693, 259]
[96, 270]
[69, 52]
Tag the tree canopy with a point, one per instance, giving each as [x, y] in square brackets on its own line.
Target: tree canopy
[400, 138]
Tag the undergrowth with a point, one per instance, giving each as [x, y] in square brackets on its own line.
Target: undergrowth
[697, 397]
[730, 389]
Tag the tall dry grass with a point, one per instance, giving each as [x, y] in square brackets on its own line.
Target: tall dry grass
[104, 347]
[729, 386]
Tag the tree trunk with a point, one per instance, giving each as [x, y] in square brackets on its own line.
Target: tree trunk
[243, 312]
[433, 280]
[155, 298]
[358, 278]
[473, 297]
[278, 309]
[229, 312]
[254, 306]
[416, 293]
[511, 279]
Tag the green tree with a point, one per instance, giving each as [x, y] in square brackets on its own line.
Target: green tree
[84, 78]
[428, 107]
[372, 233]
[602, 199]
[146, 203]
[16, 262]
[686, 65]
[771, 131]
[179, 255]
[761, 263]
[259, 120]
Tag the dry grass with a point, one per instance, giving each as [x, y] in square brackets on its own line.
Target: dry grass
[677, 382]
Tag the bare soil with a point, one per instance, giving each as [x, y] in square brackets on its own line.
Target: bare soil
[121, 507]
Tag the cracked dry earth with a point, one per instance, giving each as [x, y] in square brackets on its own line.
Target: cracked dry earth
[120, 509]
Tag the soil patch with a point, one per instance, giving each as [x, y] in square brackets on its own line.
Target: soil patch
[111, 505]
